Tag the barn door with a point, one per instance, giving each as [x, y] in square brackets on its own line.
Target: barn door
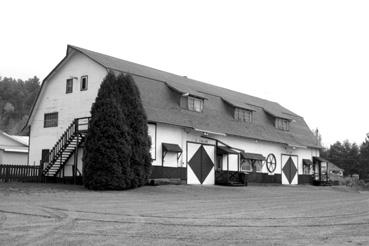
[289, 169]
[200, 163]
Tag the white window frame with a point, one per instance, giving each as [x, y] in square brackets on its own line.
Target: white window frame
[84, 88]
[195, 104]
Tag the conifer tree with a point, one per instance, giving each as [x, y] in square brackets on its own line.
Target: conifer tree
[117, 148]
[130, 102]
[107, 150]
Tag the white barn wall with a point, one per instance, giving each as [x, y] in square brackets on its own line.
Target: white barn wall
[169, 134]
[69, 106]
[266, 148]
[177, 135]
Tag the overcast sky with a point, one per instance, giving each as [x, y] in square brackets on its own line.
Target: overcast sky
[310, 56]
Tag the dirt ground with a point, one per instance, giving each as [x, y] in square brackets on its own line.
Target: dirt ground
[56, 214]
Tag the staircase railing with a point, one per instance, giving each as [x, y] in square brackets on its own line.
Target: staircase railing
[77, 125]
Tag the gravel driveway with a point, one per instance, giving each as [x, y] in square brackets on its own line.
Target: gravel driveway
[56, 214]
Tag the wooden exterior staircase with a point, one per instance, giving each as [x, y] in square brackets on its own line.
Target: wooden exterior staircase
[66, 146]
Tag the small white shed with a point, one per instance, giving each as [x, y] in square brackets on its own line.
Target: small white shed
[13, 149]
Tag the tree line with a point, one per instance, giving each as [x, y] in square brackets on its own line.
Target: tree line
[352, 158]
[16, 99]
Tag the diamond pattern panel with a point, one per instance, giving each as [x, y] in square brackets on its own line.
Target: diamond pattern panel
[201, 164]
[207, 165]
[290, 170]
[195, 164]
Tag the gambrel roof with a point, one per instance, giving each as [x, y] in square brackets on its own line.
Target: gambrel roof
[161, 91]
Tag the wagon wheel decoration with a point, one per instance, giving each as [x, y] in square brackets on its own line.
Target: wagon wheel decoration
[271, 163]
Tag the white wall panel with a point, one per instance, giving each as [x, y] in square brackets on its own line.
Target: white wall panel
[191, 176]
[69, 106]
[14, 158]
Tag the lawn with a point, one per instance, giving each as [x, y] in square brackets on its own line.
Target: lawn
[56, 214]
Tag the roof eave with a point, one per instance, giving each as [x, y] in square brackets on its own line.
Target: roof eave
[14, 139]
[237, 106]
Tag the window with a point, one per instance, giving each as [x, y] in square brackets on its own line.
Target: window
[258, 165]
[306, 169]
[243, 115]
[69, 86]
[195, 104]
[45, 155]
[84, 83]
[282, 124]
[51, 120]
[246, 165]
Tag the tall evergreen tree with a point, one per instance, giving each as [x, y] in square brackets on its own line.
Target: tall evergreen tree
[107, 151]
[364, 159]
[117, 149]
[130, 102]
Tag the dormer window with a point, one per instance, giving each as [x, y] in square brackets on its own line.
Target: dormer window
[192, 103]
[195, 104]
[282, 124]
[243, 115]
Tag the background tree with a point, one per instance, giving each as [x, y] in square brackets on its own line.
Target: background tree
[16, 100]
[364, 159]
[336, 154]
[345, 155]
[107, 150]
[350, 157]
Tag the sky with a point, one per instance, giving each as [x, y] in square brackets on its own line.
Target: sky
[312, 57]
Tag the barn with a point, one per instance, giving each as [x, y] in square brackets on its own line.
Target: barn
[201, 133]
